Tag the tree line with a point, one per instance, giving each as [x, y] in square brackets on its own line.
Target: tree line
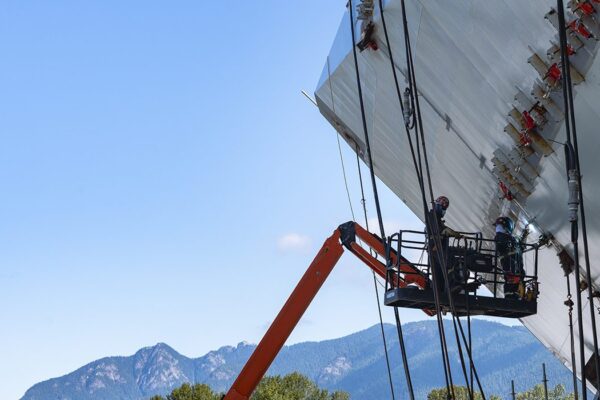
[296, 386]
[535, 393]
[293, 386]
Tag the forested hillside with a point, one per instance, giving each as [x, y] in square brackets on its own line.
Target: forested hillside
[355, 363]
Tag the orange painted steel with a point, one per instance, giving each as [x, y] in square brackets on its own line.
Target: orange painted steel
[302, 296]
[286, 320]
[411, 274]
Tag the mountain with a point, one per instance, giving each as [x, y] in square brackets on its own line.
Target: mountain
[354, 363]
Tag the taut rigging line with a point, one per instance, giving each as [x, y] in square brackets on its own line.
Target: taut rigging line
[418, 169]
[569, 303]
[574, 173]
[374, 183]
[362, 191]
[364, 207]
[432, 223]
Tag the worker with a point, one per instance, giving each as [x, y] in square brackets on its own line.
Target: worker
[440, 206]
[510, 256]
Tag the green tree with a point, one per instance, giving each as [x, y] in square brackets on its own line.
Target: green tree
[188, 392]
[537, 393]
[461, 393]
[289, 387]
[294, 386]
[337, 395]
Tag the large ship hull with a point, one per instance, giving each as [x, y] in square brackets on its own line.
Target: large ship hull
[471, 59]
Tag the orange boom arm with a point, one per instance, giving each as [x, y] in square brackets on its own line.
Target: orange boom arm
[307, 288]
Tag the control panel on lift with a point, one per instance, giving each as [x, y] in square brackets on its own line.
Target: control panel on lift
[482, 276]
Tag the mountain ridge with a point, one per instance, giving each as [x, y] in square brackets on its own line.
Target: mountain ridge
[354, 363]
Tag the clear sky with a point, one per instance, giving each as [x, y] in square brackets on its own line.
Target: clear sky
[163, 180]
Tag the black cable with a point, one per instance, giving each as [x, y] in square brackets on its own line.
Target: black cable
[572, 162]
[403, 351]
[461, 356]
[566, 62]
[456, 320]
[362, 190]
[441, 258]
[364, 206]
[398, 92]
[579, 314]
[369, 153]
[416, 106]
[469, 353]
[385, 349]
[569, 303]
[434, 229]
[433, 223]
[418, 169]
[387, 358]
[470, 346]
[365, 130]
[588, 271]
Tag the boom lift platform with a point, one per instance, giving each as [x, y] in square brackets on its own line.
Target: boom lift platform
[407, 285]
[471, 262]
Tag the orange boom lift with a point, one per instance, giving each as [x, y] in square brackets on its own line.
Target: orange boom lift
[398, 274]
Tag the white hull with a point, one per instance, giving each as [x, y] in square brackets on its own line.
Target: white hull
[470, 60]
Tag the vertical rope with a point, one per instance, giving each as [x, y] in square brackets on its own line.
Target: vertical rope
[385, 349]
[369, 153]
[569, 303]
[572, 161]
[433, 224]
[418, 170]
[364, 206]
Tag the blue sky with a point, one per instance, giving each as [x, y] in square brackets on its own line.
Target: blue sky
[164, 180]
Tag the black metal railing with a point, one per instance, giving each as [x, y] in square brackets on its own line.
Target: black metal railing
[471, 261]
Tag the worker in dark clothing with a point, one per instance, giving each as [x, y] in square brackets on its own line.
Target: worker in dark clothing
[436, 255]
[510, 256]
[440, 206]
